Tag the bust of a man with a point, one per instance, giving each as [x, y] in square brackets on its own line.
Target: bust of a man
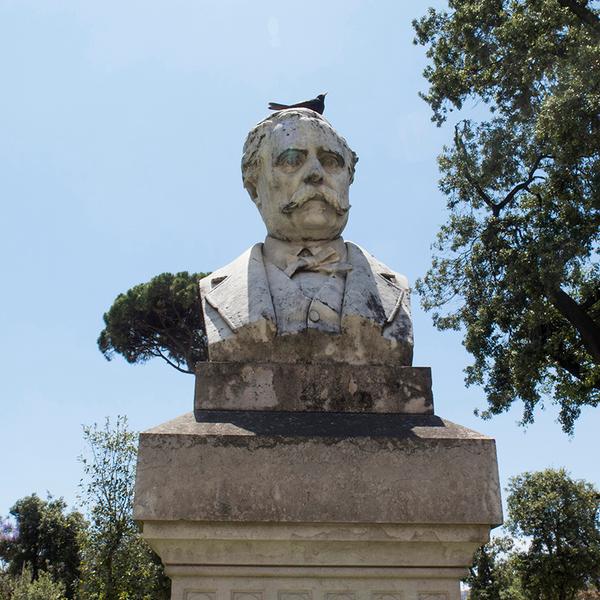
[304, 295]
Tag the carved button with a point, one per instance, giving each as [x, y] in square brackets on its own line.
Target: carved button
[314, 316]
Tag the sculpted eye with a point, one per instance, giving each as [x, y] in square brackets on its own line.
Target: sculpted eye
[291, 159]
[331, 161]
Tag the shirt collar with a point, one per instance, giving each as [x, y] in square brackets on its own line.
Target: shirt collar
[277, 251]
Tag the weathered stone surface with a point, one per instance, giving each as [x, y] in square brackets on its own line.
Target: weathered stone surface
[241, 322]
[315, 544]
[306, 295]
[315, 506]
[313, 387]
[191, 582]
[314, 561]
[313, 467]
[317, 467]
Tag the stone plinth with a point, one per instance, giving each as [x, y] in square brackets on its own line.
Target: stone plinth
[315, 506]
[313, 387]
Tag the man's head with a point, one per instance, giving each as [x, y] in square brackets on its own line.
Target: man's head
[298, 171]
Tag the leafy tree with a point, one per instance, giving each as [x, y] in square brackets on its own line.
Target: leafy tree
[117, 564]
[560, 519]
[516, 264]
[493, 576]
[161, 318]
[42, 588]
[44, 539]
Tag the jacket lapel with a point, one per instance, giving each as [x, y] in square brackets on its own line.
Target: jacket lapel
[372, 290]
[239, 292]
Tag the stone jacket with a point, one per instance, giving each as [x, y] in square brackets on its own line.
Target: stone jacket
[241, 325]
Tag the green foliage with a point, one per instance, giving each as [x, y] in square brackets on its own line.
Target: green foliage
[516, 264]
[556, 554]
[6, 585]
[560, 519]
[45, 539]
[23, 587]
[48, 554]
[116, 562]
[160, 318]
[492, 576]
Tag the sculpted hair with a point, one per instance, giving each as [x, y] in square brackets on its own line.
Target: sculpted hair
[256, 137]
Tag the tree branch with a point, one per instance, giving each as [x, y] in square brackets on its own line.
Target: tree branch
[589, 302]
[587, 328]
[496, 208]
[562, 356]
[472, 181]
[589, 17]
[164, 332]
[521, 186]
[566, 360]
[159, 354]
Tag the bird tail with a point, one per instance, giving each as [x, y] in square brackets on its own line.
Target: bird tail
[277, 106]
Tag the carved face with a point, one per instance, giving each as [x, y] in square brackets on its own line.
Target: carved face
[302, 186]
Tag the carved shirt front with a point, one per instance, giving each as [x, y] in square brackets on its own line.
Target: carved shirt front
[306, 299]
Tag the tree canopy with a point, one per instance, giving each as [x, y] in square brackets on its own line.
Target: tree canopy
[559, 517]
[116, 562]
[47, 553]
[21, 587]
[516, 264]
[44, 539]
[161, 318]
[555, 554]
[492, 575]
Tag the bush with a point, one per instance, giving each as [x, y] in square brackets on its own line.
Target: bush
[22, 588]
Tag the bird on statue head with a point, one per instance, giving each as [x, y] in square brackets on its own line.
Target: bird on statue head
[317, 104]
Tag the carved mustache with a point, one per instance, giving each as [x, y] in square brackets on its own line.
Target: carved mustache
[303, 195]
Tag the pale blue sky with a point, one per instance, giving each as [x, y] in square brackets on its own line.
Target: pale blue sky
[121, 126]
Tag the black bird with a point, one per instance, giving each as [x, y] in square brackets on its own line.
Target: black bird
[317, 104]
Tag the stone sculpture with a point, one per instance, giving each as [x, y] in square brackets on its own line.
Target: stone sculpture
[305, 295]
[313, 467]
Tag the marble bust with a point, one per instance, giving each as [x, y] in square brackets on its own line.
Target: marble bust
[305, 294]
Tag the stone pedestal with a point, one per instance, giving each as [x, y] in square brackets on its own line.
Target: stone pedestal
[272, 505]
[313, 466]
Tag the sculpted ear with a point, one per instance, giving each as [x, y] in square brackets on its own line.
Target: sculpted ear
[250, 180]
[251, 189]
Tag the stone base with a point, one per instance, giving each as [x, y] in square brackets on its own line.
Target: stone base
[315, 506]
[254, 561]
[289, 583]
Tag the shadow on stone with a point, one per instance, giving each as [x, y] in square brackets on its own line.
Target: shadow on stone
[326, 424]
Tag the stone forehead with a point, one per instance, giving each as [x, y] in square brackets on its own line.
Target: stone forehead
[290, 120]
[293, 120]
[297, 115]
[289, 130]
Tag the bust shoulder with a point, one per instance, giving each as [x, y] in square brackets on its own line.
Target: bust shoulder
[237, 268]
[378, 267]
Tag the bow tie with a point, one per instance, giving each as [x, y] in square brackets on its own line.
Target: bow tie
[325, 260]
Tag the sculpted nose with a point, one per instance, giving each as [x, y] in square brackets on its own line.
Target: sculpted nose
[315, 174]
